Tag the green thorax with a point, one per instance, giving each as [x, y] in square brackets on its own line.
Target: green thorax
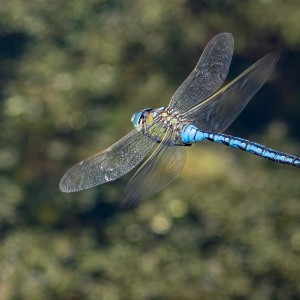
[156, 122]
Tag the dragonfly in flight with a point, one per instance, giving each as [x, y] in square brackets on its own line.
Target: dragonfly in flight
[198, 111]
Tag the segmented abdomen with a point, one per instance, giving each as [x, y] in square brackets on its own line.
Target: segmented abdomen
[191, 134]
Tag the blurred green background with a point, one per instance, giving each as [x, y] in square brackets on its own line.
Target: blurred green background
[71, 75]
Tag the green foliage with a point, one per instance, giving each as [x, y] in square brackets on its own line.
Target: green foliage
[71, 75]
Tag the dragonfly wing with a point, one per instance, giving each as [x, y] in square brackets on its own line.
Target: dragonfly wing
[217, 112]
[160, 169]
[108, 165]
[208, 75]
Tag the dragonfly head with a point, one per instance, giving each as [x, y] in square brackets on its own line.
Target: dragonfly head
[138, 118]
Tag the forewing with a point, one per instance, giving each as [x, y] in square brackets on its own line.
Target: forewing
[108, 165]
[159, 170]
[208, 75]
[217, 112]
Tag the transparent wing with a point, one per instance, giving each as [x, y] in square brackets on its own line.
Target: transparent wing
[159, 170]
[108, 165]
[217, 112]
[208, 75]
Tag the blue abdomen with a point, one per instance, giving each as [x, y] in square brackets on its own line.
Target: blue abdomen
[191, 134]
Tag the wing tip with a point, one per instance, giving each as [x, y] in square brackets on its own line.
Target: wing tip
[226, 36]
[272, 57]
[64, 187]
[68, 183]
[276, 54]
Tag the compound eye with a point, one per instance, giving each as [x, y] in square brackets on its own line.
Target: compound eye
[136, 119]
[133, 117]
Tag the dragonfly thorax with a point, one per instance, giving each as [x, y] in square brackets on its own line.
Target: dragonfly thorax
[156, 122]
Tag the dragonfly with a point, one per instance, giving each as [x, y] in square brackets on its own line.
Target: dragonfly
[198, 111]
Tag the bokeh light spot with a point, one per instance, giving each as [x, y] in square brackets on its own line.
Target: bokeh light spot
[178, 208]
[8, 158]
[15, 106]
[63, 82]
[160, 224]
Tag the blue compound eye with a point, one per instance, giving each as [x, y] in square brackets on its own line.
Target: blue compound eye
[136, 118]
[133, 117]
